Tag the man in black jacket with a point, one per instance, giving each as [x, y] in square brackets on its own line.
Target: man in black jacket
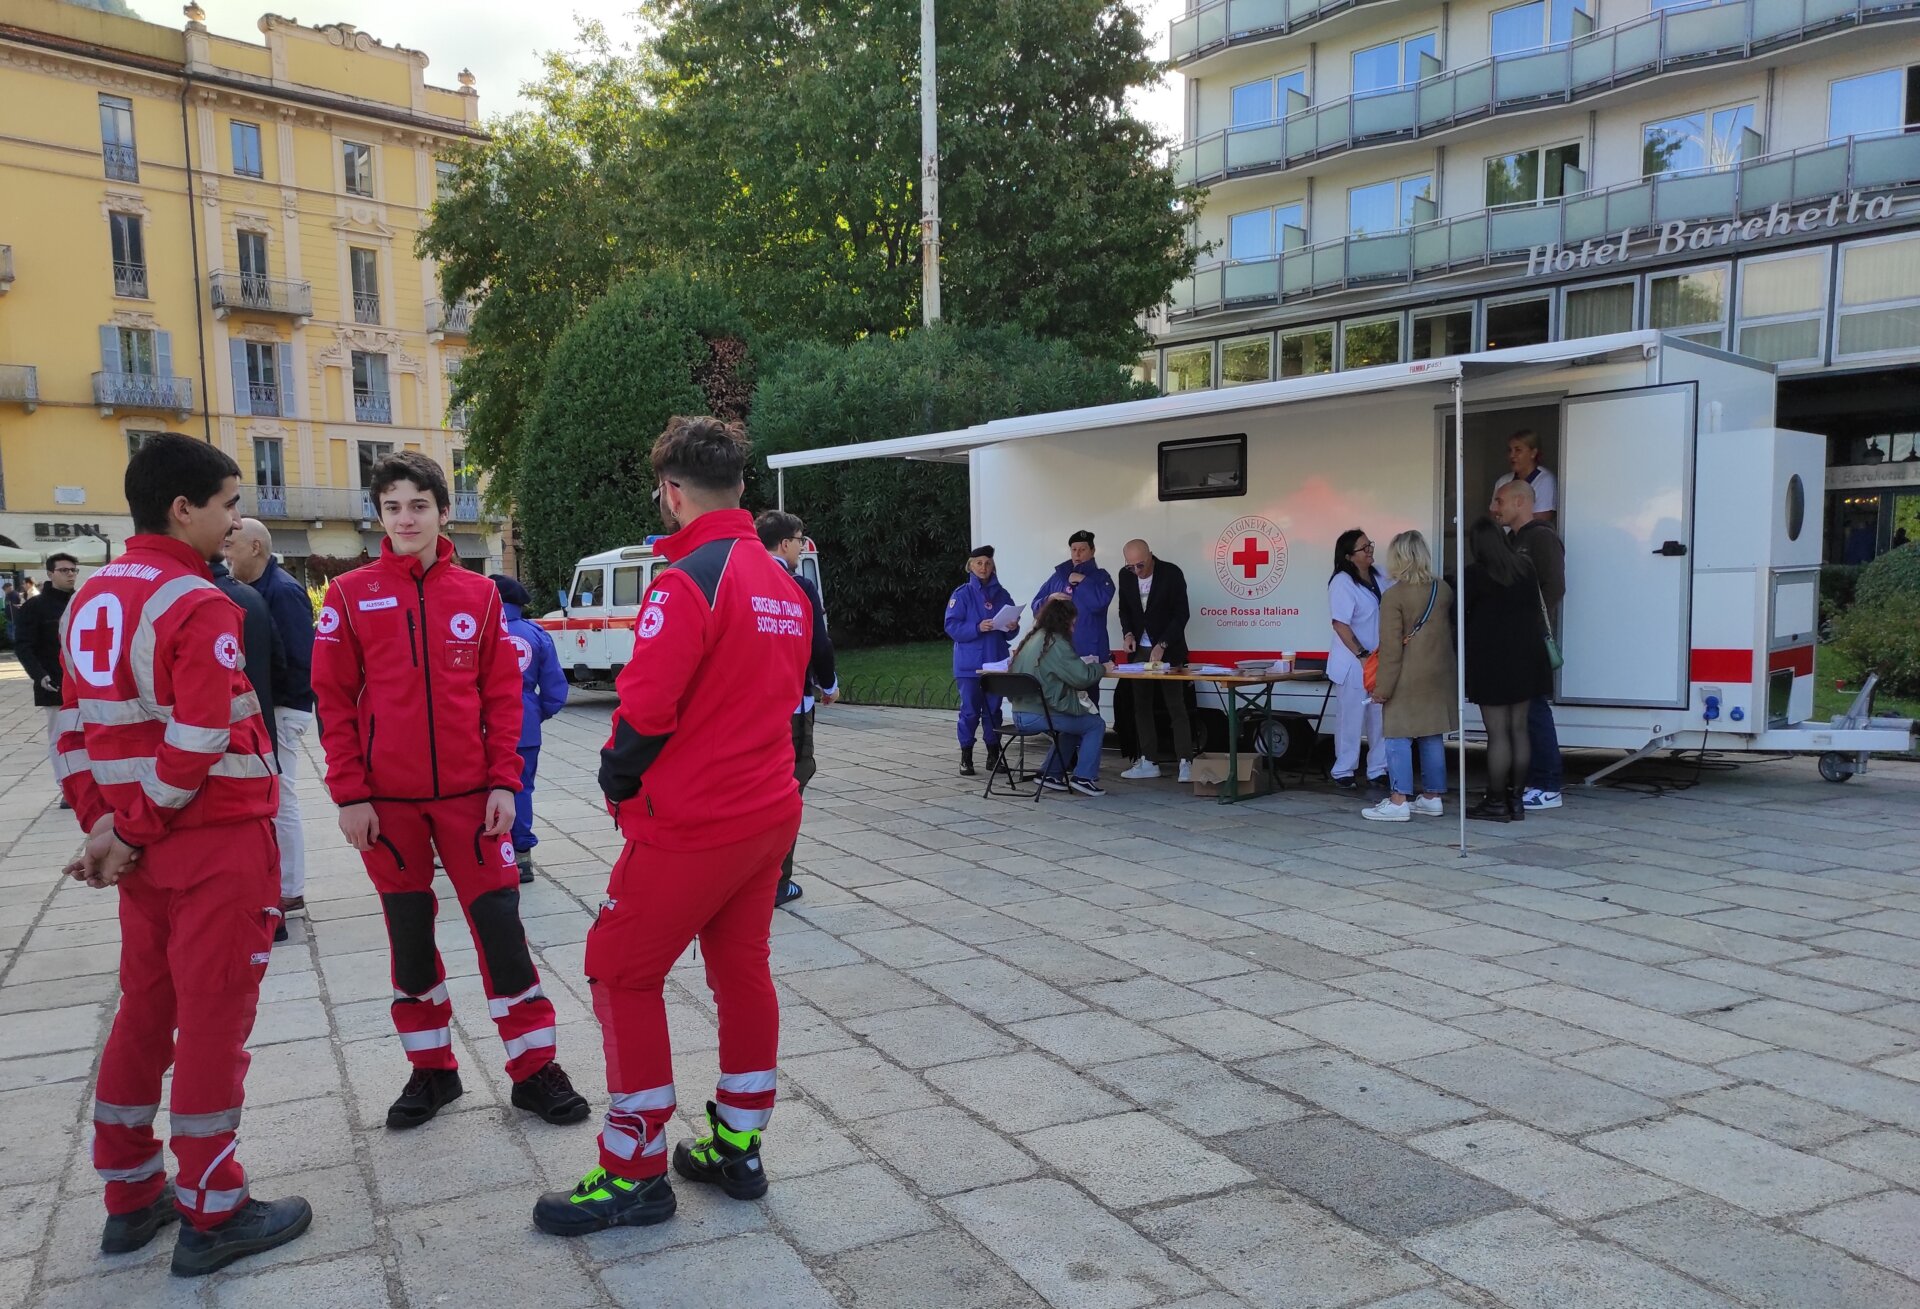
[1153, 624]
[266, 660]
[785, 538]
[36, 639]
[1533, 537]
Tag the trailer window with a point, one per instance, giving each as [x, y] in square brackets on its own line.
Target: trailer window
[1196, 470]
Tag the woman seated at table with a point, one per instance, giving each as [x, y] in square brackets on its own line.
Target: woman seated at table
[1065, 677]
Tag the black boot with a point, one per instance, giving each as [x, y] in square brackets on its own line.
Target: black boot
[524, 860]
[549, 1093]
[426, 1093]
[1492, 807]
[728, 1159]
[993, 754]
[259, 1225]
[602, 1200]
[125, 1233]
[966, 761]
[1516, 804]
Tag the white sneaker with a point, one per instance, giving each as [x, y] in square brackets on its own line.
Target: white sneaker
[1388, 812]
[1142, 770]
[1428, 806]
[1186, 770]
[1534, 798]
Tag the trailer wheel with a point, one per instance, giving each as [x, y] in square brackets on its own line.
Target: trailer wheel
[1280, 737]
[1836, 767]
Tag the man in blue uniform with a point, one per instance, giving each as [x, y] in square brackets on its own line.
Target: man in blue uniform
[976, 641]
[543, 692]
[1091, 589]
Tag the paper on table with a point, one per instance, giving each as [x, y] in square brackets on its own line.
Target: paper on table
[1007, 619]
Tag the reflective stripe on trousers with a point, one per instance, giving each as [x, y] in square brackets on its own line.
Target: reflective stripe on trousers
[436, 1039]
[213, 1124]
[125, 1115]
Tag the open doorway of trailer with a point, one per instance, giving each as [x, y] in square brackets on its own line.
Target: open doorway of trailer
[1490, 430]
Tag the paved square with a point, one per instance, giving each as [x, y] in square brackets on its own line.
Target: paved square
[1137, 1052]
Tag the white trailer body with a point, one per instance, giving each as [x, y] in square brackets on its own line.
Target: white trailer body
[1692, 524]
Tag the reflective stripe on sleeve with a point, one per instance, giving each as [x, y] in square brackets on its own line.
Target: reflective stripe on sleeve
[140, 650]
[67, 720]
[200, 740]
[123, 713]
[69, 762]
[124, 1115]
[438, 1038]
[500, 1005]
[534, 1040]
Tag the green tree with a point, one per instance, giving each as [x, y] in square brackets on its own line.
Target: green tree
[894, 534]
[790, 141]
[654, 346]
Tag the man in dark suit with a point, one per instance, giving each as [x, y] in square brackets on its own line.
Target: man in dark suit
[1153, 624]
[36, 639]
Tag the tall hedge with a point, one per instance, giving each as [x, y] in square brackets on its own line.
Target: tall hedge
[652, 347]
[894, 533]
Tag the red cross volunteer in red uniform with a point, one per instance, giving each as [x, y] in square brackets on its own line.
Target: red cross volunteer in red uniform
[418, 690]
[699, 775]
[169, 768]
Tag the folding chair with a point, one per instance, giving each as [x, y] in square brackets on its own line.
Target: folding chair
[1027, 686]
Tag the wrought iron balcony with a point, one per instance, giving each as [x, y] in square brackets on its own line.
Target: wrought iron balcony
[1222, 23]
[466, 506]
[261, 295]
[130, 280]
[366, 307]
[1664, 41]
[6, 269]
[142, 392]
[263, 399]
[123, 165]
[1491, 237]
[450, 317]
[20, 385]
[372, 407]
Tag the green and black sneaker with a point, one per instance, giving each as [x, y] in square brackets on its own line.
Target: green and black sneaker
[602, 1201]
[728, 1159]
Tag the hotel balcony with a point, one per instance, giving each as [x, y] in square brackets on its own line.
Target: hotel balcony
[142, 393]
[1223, 24]
[1492, 237]
[1665, 41]
[449, 317]
[20, 385]
[6, 269]
[261, 295]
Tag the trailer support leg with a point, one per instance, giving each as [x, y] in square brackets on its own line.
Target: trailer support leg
[1654, 746]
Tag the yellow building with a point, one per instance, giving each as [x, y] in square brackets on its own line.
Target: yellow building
[216, 237]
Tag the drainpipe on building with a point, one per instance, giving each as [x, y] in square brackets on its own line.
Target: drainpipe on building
[193, 237]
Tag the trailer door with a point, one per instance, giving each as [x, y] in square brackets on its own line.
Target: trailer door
[1626, 515]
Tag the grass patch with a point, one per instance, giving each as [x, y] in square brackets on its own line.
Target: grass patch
[917, 673]
[1830, 665]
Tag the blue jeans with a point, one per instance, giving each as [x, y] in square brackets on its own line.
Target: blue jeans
[1433, 764]
[523, 837]
[1543, 773]
[1086, 731]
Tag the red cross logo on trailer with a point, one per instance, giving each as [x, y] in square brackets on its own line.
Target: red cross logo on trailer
[93, 639]
[1250, 557]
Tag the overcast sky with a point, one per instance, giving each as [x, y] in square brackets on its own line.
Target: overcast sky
[502, 40]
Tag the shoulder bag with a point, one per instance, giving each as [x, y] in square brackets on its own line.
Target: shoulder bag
[1554, 657]
[1370, 669]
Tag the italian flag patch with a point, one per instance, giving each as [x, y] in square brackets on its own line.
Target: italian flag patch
[656, 597]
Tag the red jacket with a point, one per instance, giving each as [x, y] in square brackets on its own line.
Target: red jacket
[416, 683]
[702, 748]
[157, 722]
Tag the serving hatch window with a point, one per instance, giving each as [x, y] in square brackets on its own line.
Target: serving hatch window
[1198, 470]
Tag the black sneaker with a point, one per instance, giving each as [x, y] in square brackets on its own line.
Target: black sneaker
[1053, 783]
[125, 1233]
[550, 1094]
[602, 1201]
[1086, 786]
[428, 1091]
[724, 1158]
[524, 858]
[1345, 783]
[280, 934]
[259, 1225]
[788, 893]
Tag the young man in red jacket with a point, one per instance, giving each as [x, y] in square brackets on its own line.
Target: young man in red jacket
[699, 776]
[167, 764]
[418, 691]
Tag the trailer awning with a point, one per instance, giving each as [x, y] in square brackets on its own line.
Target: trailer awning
[953, 447]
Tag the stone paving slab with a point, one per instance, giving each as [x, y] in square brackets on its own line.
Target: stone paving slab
[1661, 1052]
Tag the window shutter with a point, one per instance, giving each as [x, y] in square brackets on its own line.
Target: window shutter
[163, 354]
[289, 384]
[110, 349]
[242, 396]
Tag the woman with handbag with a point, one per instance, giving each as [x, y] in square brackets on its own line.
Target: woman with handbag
[1507, 663]
[1353, 603]
[1413, 681]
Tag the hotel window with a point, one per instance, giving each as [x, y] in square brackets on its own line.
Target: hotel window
[1692, 304]
[116, 139]
[1878, 102]
[1528, 177]
[1305, 351]
[1709, 139]
[129, 255]
[1879, 302]
[1386, 206]
[1261, 233]
[1189, 368]
[1438, 333]
[1370, 341]
[1248, 359]
[1521, 320]
[246, 149]
[1264, 101]
[1520, 28]
[1390, 66]
[1782, 304]
[1598, 310]
[356, 168]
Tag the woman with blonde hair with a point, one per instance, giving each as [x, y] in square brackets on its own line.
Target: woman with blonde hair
[1415, 683]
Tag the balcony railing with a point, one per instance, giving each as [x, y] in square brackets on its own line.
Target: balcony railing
[366, 307]
[144, 392]
[302, 503]
[123, 165]
[263, 399]
[1229, 22]
[457, 418]
[6, 269]
[364, 506]
[20, 385]
[450, 317]
[130, 280]
[372, 407]
[261, 295]
[1488, 237]
[1661, 42]
[466, 506]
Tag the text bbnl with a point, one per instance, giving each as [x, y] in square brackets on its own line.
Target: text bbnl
[1678, 235]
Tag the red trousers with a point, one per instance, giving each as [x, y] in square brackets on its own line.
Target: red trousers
[487, 881]
[658, 902]
[197, 914]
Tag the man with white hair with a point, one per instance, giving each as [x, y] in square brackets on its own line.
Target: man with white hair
[250, 556]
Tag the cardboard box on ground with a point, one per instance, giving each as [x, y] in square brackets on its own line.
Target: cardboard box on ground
[1251, 776]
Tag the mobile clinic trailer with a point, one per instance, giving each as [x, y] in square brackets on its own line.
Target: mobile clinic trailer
[1692, 524]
